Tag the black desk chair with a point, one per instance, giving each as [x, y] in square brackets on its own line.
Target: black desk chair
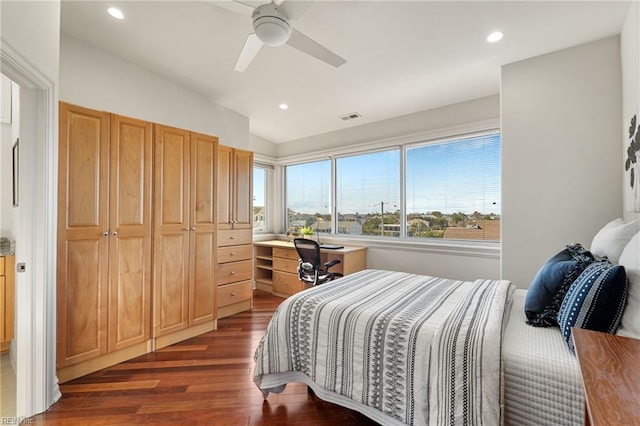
[309, 269]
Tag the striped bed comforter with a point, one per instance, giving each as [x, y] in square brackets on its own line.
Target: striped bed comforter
[398, 347]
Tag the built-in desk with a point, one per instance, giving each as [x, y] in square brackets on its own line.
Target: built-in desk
[276, 263]
[610, 367]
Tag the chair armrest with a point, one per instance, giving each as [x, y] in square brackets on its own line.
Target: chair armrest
[331, 263]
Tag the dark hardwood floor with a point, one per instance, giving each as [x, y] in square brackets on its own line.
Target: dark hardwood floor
[206, 380]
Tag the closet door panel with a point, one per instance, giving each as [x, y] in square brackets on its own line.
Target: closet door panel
[203, 228]
[171, 229]
[243, 189]
[82, 273]
[130, 232]
[225, 177]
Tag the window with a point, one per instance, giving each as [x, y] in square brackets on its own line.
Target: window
[259, 198]
[368, 194]
[446, 189]
[308, 196]
[453, 189]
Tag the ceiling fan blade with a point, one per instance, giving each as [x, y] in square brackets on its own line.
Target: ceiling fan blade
[294, 9]
[249, 51]
[234, 6]
[310, 47]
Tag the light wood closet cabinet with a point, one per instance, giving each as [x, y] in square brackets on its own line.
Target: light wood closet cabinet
[184, 234]
[235, 231]
[104, 239]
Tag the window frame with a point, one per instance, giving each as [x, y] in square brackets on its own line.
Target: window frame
[269, 180]
[433, 137]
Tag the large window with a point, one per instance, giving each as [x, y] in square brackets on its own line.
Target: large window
[368, 194]
[453, 189]
[308, 196]
[447, 189]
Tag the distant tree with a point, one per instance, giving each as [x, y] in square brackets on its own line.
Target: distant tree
[371, 226]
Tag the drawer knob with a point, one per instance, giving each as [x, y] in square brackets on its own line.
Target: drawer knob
[233, 272]
[233, 293]
[232, 237]
[233, 254]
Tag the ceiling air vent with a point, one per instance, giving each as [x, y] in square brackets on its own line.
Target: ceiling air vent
[350, 116]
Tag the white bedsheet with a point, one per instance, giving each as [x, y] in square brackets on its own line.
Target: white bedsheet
[542, 383]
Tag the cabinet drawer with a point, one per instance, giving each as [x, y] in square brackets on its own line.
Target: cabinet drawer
[234, 253]
[234, 293]
[284, 283]
[285, 253]
[234, 237]
[234, 272]
[285, 265]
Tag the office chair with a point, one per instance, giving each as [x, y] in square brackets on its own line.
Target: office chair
[309, 269]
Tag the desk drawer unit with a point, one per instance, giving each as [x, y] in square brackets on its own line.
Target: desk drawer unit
[285, 284]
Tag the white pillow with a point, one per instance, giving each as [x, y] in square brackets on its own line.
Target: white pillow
[613, 237]
[630, 259]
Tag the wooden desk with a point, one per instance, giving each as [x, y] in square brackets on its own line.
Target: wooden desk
[610, 367]
[276, 263]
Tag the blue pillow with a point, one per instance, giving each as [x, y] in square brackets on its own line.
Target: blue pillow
[595, 301]
[548, 288]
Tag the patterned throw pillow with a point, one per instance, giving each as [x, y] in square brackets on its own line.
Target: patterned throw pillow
[595, 301]
[548, 288]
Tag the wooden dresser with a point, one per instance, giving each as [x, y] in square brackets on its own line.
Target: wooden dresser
[276, 264]
[610, 367]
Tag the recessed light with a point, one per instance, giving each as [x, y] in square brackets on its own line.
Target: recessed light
[116, 13]
[495, 36]
[283, 106]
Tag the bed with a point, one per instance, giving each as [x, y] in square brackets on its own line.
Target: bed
[410, 349]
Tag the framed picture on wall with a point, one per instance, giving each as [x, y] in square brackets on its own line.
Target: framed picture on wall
[16, 174]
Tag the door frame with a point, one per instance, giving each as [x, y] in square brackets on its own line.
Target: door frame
[37, 384]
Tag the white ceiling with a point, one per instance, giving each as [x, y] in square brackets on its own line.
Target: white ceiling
[402, 56]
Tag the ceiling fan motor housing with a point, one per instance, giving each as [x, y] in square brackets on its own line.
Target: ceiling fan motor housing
[271, 25]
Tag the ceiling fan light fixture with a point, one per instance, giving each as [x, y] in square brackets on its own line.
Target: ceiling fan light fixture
[271, 25]
[272, 30]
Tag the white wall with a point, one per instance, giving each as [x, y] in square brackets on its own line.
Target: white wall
[96, 79]
[30, 56]
[260, 145]
[561, 153]
[630, 53]
[438, 118]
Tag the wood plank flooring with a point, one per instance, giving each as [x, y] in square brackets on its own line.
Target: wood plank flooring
[206, 380]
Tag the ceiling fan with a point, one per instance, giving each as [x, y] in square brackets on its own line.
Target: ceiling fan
[271, 26]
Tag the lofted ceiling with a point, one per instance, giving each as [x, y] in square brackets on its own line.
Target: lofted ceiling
[402, 56]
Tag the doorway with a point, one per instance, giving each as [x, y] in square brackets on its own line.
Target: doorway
[34, 341]
[9, 127]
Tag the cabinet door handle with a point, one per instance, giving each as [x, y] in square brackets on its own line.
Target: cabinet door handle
[105, 234]
[114, 233]
[193, 228]
[186, 229]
